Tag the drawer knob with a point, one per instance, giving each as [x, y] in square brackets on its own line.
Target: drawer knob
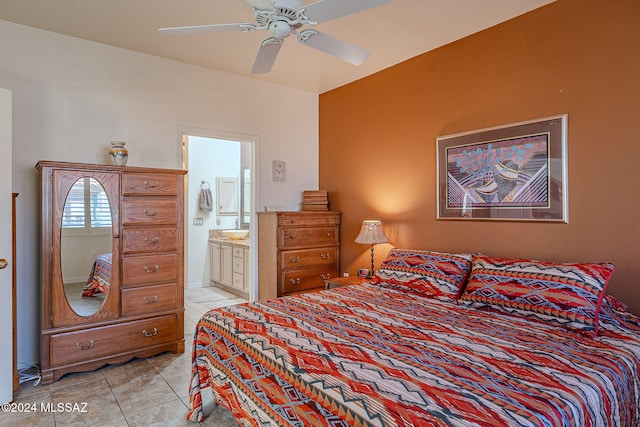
[295, 281]
[296, 259]
[150, 213]
[325, 256]
[152, 241]
[151, 270]
[85, 347]
[148, 184]
[148, 301]
[150, 334]
[326, 276]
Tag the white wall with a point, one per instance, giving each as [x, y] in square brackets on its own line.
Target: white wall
[72, 97]
[208, 158]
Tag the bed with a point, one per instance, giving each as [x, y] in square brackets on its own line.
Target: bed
[98, 281]
[433, 340]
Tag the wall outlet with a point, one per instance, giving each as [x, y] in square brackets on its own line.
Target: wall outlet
[198, 221]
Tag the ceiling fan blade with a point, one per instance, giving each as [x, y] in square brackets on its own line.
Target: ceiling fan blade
[195, 29]
[325, 10]
[333, 46]
[266, 55]
[260, 4]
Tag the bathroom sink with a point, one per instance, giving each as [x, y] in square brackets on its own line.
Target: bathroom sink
[235, 234]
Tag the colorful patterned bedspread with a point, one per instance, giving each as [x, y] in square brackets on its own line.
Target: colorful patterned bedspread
[372, 356]
[98, 281]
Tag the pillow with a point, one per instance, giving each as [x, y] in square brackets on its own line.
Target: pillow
[436, 274]
[569, 294]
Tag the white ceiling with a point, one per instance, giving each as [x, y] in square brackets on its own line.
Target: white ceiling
[393, 32]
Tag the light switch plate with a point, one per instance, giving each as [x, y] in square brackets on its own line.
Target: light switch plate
[279, 172]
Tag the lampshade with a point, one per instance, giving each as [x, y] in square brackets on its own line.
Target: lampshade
[371, 233]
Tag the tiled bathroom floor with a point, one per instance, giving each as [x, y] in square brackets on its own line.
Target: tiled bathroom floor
[143, 392]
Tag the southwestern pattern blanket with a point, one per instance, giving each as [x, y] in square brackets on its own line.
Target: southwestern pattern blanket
[374, 355]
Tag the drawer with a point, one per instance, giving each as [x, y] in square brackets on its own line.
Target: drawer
[148, 269]
[88, 344]
[309, 257]
[149, 211]
[144, 184]
[238, 251]
[149, 299]
[308, 278]
[238, 265]
[308, 236]
[150, 240]
[238, 281]
[307, 220]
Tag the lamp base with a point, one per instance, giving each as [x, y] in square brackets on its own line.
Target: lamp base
[364, 272]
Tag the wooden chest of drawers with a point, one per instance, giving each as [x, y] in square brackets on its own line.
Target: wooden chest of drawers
[142, 312]
[297, 251]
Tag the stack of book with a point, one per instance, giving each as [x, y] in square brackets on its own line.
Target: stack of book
[315, 200]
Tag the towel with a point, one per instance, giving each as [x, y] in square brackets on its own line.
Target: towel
[206, 200]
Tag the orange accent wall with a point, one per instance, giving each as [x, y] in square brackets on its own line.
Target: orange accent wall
[579, 57]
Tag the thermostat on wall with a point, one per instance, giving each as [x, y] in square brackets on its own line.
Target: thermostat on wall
[279, 171]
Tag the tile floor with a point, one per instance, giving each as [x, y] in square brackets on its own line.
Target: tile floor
[143, 392]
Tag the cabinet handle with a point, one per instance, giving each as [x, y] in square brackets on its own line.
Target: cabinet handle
[149, 270]
[328, 234]
[152, 241]
[325, 256]
[296, 259]
[150, 334]
[85, 347]
[148, 213]
[148, 301]
[148, 184]
[326, 277]
[295, 281]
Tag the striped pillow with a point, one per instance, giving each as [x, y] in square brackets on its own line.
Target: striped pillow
[568, 294]
[436, 274]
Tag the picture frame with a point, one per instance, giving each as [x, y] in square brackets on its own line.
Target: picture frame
[515, 172]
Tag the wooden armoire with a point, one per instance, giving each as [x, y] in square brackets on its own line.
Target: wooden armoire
[112, 265]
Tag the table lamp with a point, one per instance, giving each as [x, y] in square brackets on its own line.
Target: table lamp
[371, 233]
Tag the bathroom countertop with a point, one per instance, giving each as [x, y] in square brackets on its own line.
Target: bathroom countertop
[227, 241]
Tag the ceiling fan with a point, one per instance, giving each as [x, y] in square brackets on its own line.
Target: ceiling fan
[285, 17]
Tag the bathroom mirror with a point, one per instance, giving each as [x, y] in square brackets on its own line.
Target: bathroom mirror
[227, 195]
[86, 246]
[246, 195]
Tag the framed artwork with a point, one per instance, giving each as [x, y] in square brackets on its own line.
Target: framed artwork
[516, 172]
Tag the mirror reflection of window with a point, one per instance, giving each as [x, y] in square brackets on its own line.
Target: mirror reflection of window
[87, 206]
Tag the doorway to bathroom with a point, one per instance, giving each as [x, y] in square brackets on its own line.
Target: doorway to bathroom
[219, 196]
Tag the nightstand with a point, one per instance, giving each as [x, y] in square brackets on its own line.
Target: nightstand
[336, 282]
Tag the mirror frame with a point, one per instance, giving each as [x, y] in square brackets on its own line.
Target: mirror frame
[64, 314]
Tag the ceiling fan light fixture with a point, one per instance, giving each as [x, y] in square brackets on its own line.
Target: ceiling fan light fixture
[280, 29]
